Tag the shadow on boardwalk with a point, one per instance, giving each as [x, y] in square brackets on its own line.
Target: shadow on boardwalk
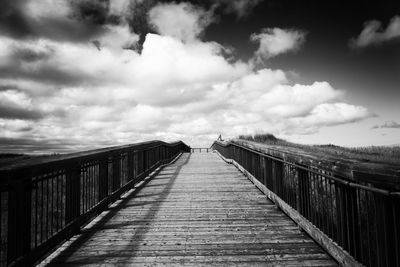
[136, 239]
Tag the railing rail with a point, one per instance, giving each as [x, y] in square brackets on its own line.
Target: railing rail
[200, 149]
[45, 201]
[363, 220]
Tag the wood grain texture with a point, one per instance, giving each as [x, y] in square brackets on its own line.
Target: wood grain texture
[198, 211]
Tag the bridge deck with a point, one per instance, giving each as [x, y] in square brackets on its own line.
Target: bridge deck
[197, 211]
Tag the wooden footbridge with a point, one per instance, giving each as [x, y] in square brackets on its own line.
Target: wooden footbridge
[160, 204]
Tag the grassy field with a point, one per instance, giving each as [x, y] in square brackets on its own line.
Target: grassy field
[10, 158]
[381, 154]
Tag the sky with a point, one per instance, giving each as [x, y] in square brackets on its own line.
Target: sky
[80, 74]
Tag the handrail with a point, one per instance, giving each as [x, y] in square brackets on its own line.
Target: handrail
[44, 201]
[362, 218]
[206, 149]
[342, 180]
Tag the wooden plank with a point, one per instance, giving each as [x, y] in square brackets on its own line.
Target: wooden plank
[198, 211]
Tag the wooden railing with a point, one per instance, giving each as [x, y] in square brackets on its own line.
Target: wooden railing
[354, 214]
[200, 149]
[45, 201]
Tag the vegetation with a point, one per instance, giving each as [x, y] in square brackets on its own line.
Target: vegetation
[381, 154]
[8, 158]
[11, 158]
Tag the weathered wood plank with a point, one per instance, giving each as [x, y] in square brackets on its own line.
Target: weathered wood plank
[199, 211]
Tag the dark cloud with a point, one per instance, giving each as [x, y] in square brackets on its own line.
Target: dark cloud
[138, 20]
[67, 29]
[97, 14]
[7, 112]
[25, 54]
[12, 19]
[46, 74]
[388, 124]
[88, 18]
[97, 44]
[241, 8]
[86, 21]
[43, 71]
[91, 11]
[6, 87]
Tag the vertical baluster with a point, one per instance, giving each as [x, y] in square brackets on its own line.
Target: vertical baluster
[51, 203]
[396, 233]
[47, 207]
[36, 186]
[57, 226]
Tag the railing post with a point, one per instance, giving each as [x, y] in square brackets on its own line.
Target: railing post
[144, 162]
[130, 159]
[347, 197]
[158, 155]
[340, 219]
[263, 170]
[303, 192]
[116, 167]
[389, 227]
[103, 178]
[163, 151]
[72, 194]
[140, 162]
[269, 181]
[19, 217]
[277, 176]
[385, 234]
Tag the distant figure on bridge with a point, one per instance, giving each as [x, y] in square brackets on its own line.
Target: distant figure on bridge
[220, 138]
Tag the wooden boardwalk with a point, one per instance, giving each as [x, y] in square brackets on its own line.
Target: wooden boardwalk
[199, 211]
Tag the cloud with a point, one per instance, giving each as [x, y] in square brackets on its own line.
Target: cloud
[275, 41]
[373, 34]
[92, 11]
[265, 100]
[55, 91]
[329, 114]
[182, 21]
[17, 105]
[241, 8]
[55, 62]
[388, 124]
[12, 19]
[71, 21]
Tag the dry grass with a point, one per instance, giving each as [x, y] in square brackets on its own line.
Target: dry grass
[381, 154]
[10, 158]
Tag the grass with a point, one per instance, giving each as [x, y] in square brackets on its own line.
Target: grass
[379, 154]
[11, 158]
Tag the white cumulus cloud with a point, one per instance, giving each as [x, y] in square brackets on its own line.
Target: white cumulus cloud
[182, 21]
[373, 34]
[328, 114]
[275, 41]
